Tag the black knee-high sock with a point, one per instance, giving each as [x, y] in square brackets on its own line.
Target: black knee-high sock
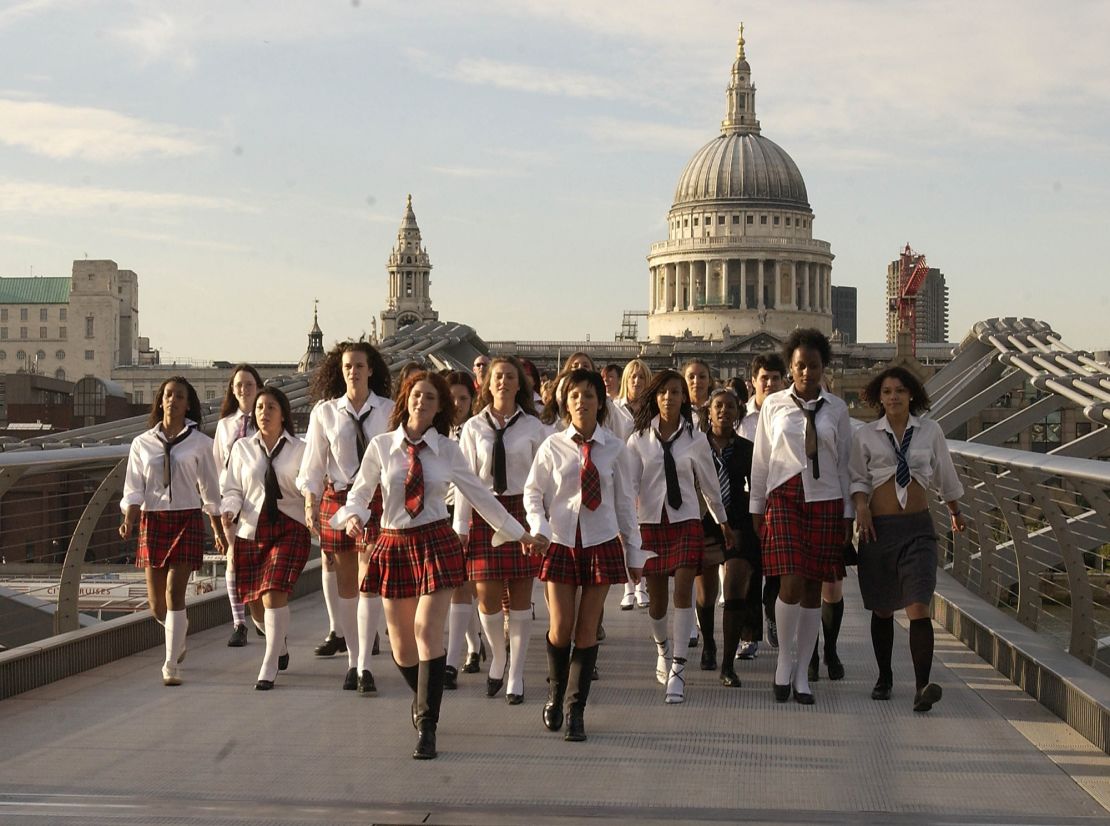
[882, 640]
[832, 616]
[921, 649]
[732, 619]
[705, 621]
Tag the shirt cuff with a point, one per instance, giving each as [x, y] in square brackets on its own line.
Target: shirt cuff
[511, 531]
[339, 521]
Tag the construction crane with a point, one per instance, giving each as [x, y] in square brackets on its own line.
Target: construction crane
[912, 270]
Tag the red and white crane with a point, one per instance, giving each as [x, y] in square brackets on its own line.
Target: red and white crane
[912, 270]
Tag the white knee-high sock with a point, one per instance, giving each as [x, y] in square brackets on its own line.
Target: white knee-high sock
[369, 614]
[457, 621]
[695, 629]
[238, 610]
[659, 629]
[787, 618]
[809, 625]
[274, 642]
[330, 585]
[494, 626]
[284, 618]
[348, 626]
[684, 622]
[473, 632]
[629, 587]
[520, 623]
[177, 625]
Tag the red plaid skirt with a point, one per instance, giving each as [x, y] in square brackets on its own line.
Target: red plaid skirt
[334, 541]
[678, 545]
[273, 560]
[415, 561]
[596, 565]
[506, 561]
[800, 537]
[170, 538]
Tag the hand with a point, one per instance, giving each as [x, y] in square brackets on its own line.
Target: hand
[221, 541]
[537, 544]
[864, 525]
[848, 530]
[958, 523]
[635, 574]
[312, 516]
[757, 523]
[228, 518]
[354, 527]
[730, 537]
[464, 540]
[125, 529]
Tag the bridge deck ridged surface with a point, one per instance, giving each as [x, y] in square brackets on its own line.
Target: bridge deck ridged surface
[115, 746]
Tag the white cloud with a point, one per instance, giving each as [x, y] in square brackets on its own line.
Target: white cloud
[88, 133]
[28, 8]
[620, 133]
[475, 171]
[180, 241]
[9, 238]
[46, 199]
[537, 79]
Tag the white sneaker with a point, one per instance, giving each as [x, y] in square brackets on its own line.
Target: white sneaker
[171, 675]
[748, 651]
[663, 661]
[628, 601]
[676, 682]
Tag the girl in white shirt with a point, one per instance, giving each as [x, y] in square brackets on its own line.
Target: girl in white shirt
[634, 382]
[417, 560]
[236, 421]
[499, 444]
[260, 493]
[667, 458]
[579, 495]
[171, 477]
[895, 460]
[352, 386]
[800, 501]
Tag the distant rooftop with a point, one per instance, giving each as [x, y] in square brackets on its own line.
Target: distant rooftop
[34, 290]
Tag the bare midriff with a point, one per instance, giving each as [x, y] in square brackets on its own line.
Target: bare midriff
[884, 499]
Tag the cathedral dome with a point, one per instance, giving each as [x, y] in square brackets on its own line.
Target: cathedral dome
[742, 166]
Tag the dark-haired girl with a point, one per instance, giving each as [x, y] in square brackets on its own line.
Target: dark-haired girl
[499, 444]
[171, 478]
[417, 559]
[894, 462]
[579, 494]
[352, 386]
[236, 421]
[667, 458]
[272, 543]
[800, 501]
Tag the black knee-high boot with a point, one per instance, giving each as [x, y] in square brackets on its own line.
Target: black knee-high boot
[832, 616]
[429, 696]
[411, 674]
[709, 646]
[558, 666]
[732, 619]
[882, 641]
[579, 678]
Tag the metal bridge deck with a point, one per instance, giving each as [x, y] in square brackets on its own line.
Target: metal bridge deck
[114, 746]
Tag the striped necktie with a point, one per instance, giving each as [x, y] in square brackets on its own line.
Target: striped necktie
[720, 461]
[414, 480]
[902, 472]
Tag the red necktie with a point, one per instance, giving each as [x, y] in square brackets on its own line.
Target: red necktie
[589, 477]
[414, 481]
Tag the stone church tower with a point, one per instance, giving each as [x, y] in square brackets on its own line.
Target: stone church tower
[410, 301]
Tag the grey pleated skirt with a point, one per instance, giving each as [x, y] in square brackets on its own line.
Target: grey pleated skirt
[900, 567]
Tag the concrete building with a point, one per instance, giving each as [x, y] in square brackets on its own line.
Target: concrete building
[844, 313]
[410, 299]
[740, 257]
[83, 325]
[932, 305]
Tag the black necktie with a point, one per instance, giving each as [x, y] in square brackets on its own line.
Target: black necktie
[902, 472]
[273, 490]
[500, 473]
[360, 434]
[670, 470]
[167, 464]
[811, 433]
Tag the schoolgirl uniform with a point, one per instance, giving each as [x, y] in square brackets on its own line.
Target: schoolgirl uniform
[229, 430]
[670, 525]
[899, 567]
[800, 484]
[172, 481]
[334, 446]
[272, 545]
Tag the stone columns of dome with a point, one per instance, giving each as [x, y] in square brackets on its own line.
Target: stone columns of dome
[724, 282]
[651, 289]
[776, 284]
[806, 270]
[828, 292]
[672, 288]
[691, 286]
[761, 296]
[703, 290]
[743, 284]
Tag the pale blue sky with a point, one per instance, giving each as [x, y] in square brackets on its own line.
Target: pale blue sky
[245, 157]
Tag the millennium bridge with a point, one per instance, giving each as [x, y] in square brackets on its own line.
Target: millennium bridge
[88, 734]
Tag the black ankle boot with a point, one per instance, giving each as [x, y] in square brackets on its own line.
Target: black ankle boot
[582, 662]
[558, 665]
[429, 697]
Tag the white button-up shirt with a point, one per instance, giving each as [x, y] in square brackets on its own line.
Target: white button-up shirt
[693, 459]
[227, 433]
[747, 425]
[194, 482]
[780, 450]
[386, 464]
[522, 439]
[874, 460]
[243, 481]
[553, 494]
[331, 452]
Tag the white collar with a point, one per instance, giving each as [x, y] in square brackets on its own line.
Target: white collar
[600, 436]
[344, 403]
[882, 424]
[430, 439]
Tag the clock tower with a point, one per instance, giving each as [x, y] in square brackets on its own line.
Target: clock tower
[410, 300]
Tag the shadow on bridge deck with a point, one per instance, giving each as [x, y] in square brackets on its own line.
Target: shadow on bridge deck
[113, 745]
